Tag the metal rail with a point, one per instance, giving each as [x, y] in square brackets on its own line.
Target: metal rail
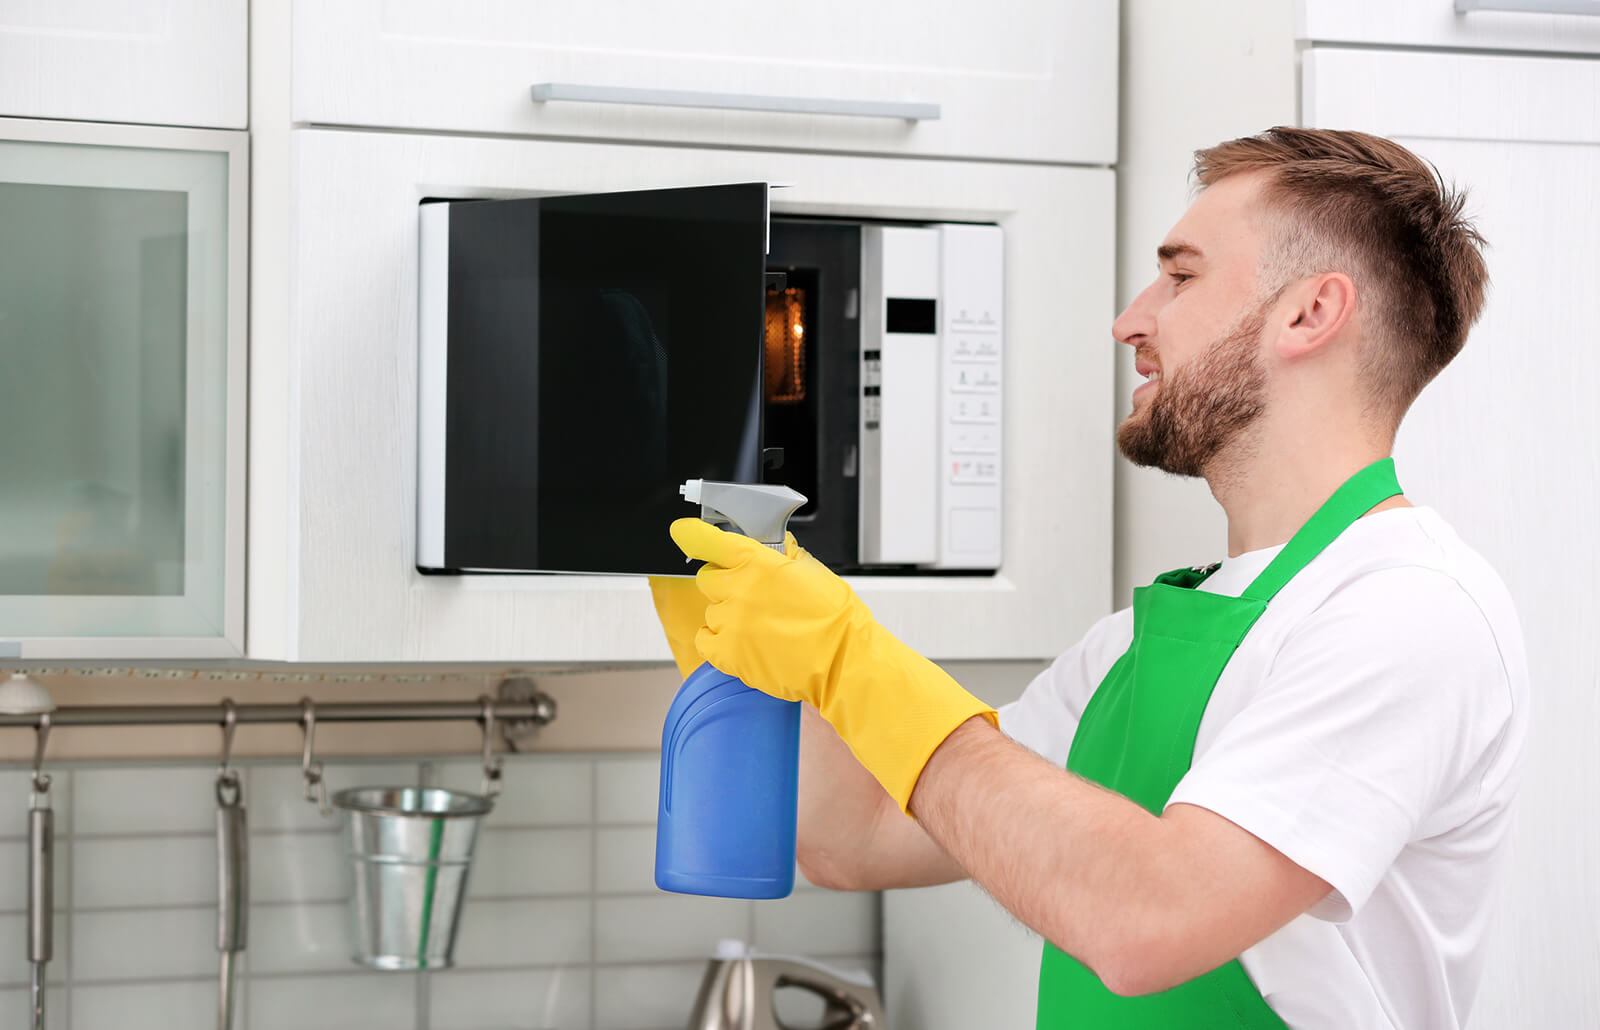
[539, 710]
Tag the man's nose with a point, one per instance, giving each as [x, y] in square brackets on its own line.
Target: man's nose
[1137, 323]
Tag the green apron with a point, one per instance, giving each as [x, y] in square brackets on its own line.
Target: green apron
[1137, 738]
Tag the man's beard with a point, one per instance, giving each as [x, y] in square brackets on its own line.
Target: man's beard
[1203, 408]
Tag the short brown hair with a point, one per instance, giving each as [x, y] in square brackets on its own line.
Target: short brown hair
[1366, 206]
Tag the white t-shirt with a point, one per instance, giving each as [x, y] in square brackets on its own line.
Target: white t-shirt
[1369, 727]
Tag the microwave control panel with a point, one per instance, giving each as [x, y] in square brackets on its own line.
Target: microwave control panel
[932, 395]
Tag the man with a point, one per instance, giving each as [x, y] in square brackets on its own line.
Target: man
[1286, 777]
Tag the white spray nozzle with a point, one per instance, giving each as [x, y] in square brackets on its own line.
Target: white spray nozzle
[758, 511]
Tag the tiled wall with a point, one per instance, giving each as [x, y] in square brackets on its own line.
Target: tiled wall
[563, 927]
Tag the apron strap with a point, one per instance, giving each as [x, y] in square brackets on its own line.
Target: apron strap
[1360, 494]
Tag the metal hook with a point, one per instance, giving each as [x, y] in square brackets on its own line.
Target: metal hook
[493, 766]
[227, 779]
[41, 780]
[316, 791]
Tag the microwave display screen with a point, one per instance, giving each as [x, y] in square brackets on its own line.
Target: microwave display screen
[601, 350]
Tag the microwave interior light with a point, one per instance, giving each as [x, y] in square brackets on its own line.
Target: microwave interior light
[785, 346]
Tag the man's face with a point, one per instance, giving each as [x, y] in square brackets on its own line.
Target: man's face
[1196, 333]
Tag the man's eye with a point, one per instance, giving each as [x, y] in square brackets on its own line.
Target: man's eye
[1179, 278]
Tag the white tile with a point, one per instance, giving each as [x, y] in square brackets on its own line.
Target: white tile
[14, 866]
[144, 871]
[537, 999]
[536, 790]
[180, 1005]
[625, 860]
[627, 789]
[667, 926]
[366, 999]
[274, 794]
[553, 932]
[298, 867]
[646, 997]
[144, 799]
[819, 923]
[299, 938]
[16, 785]
[142, 944]
[14, 967]
[520, 863]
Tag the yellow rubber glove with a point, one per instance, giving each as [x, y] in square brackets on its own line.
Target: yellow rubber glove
[681, 607]
[786, 625]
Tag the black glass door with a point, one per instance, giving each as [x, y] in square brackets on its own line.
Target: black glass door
[602, 349]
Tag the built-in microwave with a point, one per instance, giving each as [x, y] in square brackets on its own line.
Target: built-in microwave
[583, 356]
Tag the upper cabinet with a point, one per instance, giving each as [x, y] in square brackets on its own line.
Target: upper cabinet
[1010, 79]
[157, 62]
[122, 425]
[334, 515]
[1571, 26]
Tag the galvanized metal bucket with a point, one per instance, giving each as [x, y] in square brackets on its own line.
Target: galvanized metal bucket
[410, 849]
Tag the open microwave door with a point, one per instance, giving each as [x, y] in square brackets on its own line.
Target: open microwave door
[580, 358]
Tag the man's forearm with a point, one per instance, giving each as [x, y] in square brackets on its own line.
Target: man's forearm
[851, 836]
[1145, 902]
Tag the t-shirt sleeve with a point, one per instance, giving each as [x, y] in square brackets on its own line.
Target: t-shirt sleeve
[1365, 733]
[1046, 716]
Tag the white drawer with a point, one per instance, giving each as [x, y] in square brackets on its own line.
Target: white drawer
[338, 581]
[161, 62]
[1437, 23]
[1011, 79]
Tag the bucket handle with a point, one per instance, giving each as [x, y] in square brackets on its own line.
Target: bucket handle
[493, 765]
[316, 791]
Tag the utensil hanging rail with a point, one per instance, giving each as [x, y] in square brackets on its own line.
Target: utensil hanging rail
[540, 710]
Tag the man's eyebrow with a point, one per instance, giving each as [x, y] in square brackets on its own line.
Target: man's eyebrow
[1173, 251]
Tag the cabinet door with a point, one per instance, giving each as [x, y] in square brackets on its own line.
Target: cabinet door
[168, 62]
[336, 530]
[122, 404]
[1011, 78]
[1504, 444]
[1570, 26]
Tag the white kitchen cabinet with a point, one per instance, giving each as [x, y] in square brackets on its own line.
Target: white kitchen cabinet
[159, 62]
[1012, 79]
[1571, 26]
[122, 406]
[333, 549]
[1506, 443]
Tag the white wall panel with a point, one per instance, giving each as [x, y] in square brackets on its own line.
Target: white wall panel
[1506, 444]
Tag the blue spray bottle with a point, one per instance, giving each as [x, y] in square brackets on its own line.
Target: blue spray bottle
[730, 755]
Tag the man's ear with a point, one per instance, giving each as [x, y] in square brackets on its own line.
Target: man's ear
[1317, 311]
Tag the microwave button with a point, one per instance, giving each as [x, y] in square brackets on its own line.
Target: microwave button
[973, 470]
[974, 439]
[974, 378]
[968, 408]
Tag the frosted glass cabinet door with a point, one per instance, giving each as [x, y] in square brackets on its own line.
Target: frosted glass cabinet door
[121, 395]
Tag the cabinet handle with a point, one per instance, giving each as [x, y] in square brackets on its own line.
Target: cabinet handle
[1530, 6]
[544, 92]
